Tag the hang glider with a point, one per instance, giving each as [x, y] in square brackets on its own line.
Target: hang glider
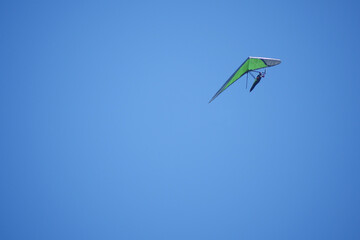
[250, 64]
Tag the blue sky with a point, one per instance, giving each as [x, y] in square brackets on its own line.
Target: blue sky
[106, 130]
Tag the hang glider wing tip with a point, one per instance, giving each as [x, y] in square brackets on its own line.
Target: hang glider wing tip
[272, 62]
[268, 61]
[212, 98]
[217, 94]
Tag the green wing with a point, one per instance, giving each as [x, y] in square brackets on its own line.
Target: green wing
[251, 63]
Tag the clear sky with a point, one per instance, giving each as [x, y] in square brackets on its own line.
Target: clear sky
[106, 130]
